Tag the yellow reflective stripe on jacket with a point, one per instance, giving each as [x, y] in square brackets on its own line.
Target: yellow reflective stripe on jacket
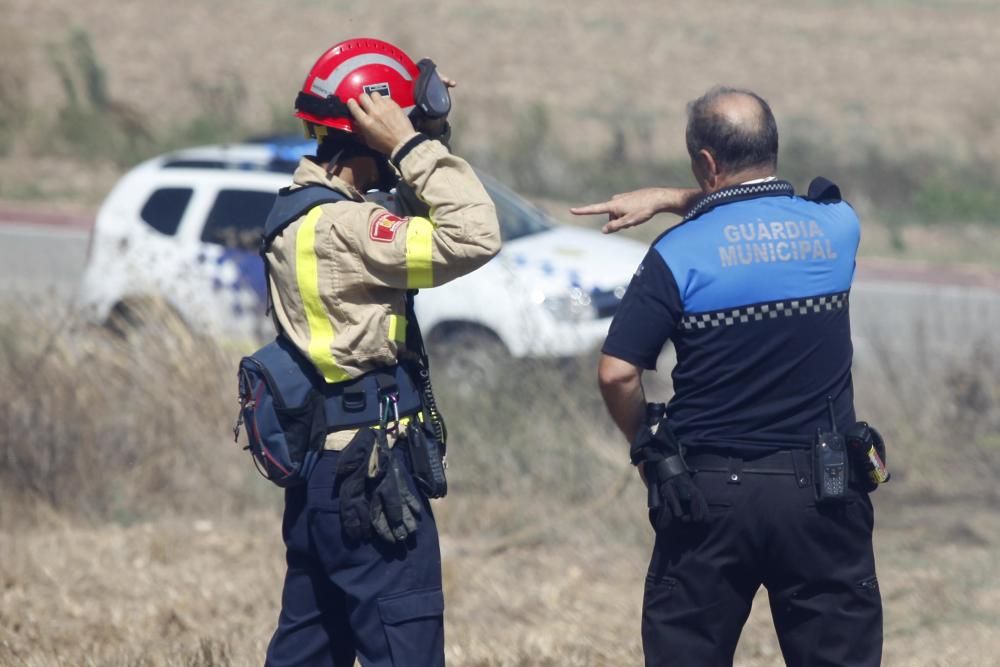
[397, 328]
[321, 331]
[419, 253]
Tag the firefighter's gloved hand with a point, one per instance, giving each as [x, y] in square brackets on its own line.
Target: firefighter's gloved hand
[671, 489]
[394, 509]
[352, 475]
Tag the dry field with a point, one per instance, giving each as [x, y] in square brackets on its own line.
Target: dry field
[912, 78]
[134, 533]
[204, 591]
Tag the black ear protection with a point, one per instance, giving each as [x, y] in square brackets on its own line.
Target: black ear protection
[430, 94]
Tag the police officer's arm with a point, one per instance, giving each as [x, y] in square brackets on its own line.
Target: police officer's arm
[645, 319]
[621, 388]
[460, 234]
[629, 209]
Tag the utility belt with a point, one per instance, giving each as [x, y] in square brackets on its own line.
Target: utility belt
[831, 465]
[797, 462]
[834, 462]
[362, 402]
[290, 412]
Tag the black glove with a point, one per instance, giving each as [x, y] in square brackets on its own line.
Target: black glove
[394, 509]
[671, 489]
[352, 473]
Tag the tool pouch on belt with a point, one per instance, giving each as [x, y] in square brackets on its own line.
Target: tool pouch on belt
[288, 409]
[427, 458]
[671, 489]
[866, 450]
[283, 415]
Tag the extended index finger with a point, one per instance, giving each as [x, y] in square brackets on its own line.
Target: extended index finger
[592, 209]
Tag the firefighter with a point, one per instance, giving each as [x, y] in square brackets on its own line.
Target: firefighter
[363, 561]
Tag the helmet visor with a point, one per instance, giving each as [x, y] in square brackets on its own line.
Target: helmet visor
[430, 94]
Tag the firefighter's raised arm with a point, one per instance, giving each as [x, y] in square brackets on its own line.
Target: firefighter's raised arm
[460, 232]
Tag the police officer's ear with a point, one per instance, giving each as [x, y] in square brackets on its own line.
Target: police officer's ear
[706, 170]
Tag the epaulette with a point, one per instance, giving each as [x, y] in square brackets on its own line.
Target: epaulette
[824, 191]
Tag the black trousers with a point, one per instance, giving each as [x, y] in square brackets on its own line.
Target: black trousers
[380, 604]
[816, 563]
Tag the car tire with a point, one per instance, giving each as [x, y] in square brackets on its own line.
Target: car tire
[135, 316]
[467, 359]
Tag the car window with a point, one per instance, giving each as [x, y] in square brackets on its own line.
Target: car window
[517, 217]
[165, 208]
[237, 218]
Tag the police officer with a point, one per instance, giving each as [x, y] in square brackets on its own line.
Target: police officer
[340, 276]
[751, 287]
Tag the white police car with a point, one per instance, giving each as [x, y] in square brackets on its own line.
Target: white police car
[185, 227]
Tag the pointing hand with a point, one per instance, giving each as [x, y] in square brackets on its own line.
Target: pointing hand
[630, 209]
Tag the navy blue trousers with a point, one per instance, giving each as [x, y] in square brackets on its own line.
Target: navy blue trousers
[816, 563]
[382, 604]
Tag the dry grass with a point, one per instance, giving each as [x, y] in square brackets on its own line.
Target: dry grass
[912, 79]
[134, 534]
[104, 426]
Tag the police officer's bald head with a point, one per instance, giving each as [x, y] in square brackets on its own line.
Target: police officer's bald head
[736, 127]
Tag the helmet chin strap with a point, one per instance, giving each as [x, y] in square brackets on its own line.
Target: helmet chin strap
[386, 177]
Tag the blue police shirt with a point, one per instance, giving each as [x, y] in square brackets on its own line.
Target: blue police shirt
[753, 293]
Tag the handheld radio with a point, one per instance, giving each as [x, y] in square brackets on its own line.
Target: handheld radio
[830, 461]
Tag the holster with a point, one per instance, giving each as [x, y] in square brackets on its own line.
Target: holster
[658, 451]
[660, 471]
[867, 455]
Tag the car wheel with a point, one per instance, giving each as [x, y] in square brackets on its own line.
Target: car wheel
[141, 315]
[467, 359]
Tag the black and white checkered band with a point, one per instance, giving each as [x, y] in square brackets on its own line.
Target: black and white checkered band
[739, 192]
[764, 311]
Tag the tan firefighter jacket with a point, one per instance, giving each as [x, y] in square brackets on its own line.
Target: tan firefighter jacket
[339, 274]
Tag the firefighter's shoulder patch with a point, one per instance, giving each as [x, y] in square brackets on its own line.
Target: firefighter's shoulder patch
[384, 226]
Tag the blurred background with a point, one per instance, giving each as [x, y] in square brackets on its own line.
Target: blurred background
[134, 532]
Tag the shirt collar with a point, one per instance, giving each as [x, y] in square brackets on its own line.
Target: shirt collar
[766, 179]
[768, 187]
[308, 172]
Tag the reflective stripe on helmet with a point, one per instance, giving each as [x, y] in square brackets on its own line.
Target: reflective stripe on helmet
[329, 85]
[419, 253]
[321, 333]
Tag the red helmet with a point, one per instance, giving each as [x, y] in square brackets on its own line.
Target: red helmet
[365, 65]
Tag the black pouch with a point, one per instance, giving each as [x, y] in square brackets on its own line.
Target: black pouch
[867, 453]
[283, 415]
[427, 459]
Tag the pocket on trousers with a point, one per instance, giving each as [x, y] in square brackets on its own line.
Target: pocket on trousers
[716, 488]
[414, 627]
